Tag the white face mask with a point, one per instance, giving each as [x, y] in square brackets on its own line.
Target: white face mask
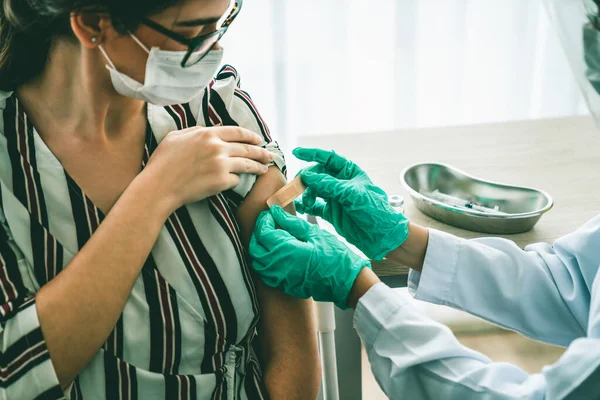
[167, 82]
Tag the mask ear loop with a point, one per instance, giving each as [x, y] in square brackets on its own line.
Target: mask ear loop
[107, 57]
[139, 42]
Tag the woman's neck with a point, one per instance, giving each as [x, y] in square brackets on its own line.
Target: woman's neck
[74, 95]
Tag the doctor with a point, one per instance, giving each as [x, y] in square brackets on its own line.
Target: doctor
[548, 293]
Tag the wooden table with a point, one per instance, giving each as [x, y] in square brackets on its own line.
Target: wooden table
[560, 156]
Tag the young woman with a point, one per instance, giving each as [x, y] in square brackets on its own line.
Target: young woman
[128, 189]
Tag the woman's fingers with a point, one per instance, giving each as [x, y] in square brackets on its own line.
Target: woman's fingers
[249, 151]
[238, 135]
[239, 165]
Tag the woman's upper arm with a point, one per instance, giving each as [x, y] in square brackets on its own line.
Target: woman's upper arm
[288, 334]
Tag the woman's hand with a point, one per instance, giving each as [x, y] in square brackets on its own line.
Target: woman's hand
[195, 163]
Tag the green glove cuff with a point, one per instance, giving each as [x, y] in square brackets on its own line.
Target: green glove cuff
[342, 292]
[393, 239]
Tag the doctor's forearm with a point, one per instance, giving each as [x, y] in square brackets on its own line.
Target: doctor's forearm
[365, 280]
[412, 252]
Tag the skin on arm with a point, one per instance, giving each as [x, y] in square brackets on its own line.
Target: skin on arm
[411, 253]
[287, 330]
[413, 250]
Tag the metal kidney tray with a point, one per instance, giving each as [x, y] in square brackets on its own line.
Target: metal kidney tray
[462, 200]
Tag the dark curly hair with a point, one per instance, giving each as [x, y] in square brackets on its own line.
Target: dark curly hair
[27, 28]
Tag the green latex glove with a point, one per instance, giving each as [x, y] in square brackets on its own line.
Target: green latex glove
[303, 260]
[359, 210]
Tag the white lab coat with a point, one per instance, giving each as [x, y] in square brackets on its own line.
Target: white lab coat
[548, 293]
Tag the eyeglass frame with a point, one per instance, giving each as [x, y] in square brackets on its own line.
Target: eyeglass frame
[194, 43]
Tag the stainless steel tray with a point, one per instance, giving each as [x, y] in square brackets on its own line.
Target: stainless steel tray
[462, 200]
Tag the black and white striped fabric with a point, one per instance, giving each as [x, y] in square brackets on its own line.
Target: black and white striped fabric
[188, 328]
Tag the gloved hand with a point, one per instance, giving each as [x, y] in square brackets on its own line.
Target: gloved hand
[359, 210]
[302, 259]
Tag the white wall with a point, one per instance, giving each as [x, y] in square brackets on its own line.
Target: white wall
[330, 66]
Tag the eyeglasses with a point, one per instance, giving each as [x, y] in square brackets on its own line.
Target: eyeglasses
[199, 46]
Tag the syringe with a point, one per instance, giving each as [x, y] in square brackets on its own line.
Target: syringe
[461, 203]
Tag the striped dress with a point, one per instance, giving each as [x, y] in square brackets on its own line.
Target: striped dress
[188, 330]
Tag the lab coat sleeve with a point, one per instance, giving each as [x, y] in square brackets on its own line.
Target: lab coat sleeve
[414, 357]
[542, 291]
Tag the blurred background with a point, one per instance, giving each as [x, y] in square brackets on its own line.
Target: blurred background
[317, 67]
[324, 67]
